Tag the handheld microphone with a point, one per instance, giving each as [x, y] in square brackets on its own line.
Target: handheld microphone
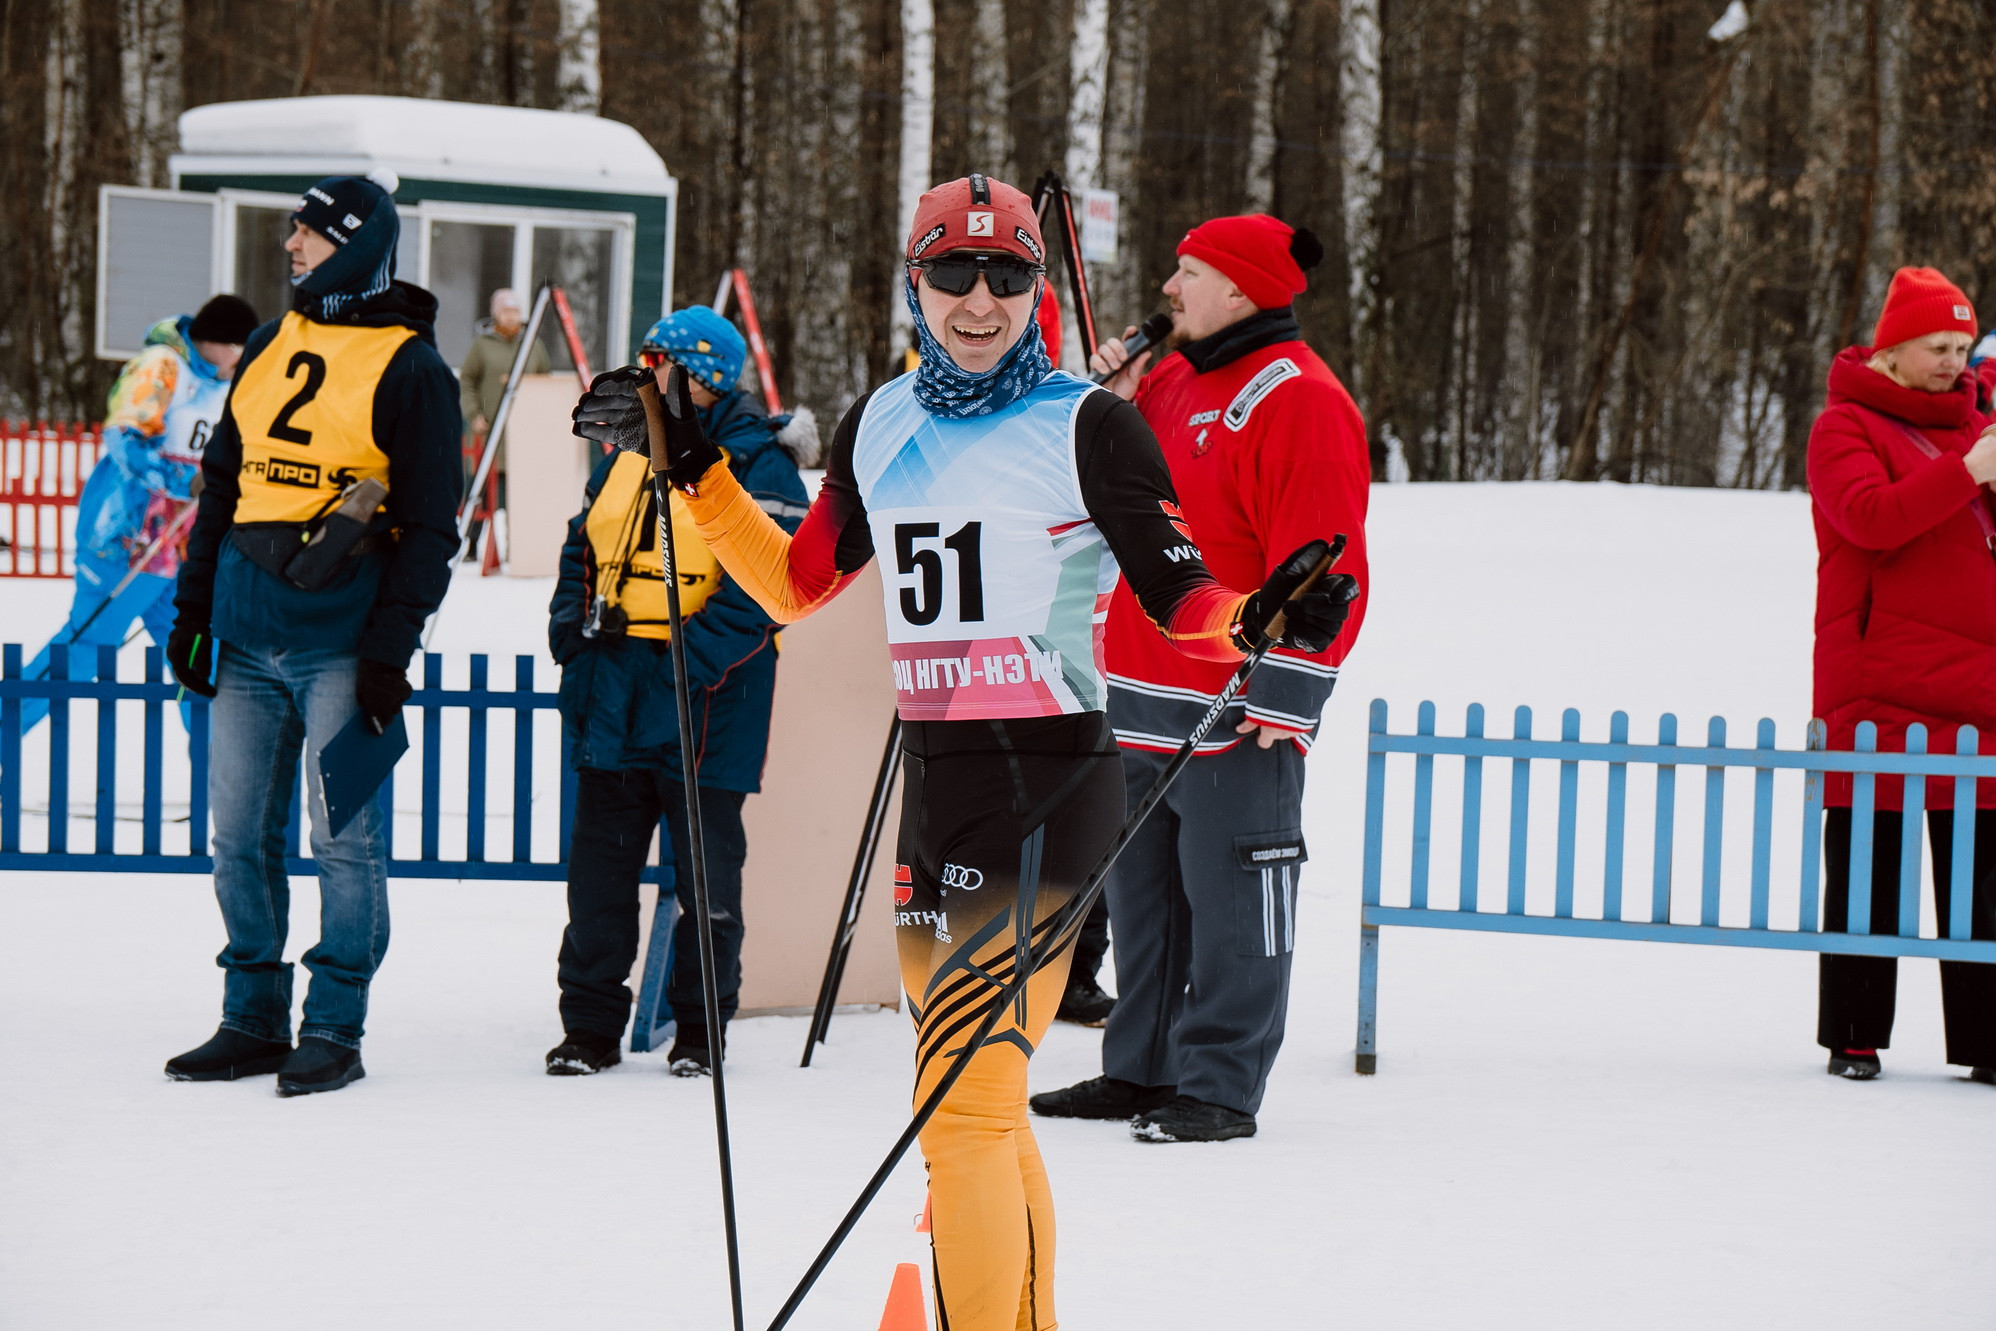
[1151, 332]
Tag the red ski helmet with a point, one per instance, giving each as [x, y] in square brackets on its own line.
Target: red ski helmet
[976, 213]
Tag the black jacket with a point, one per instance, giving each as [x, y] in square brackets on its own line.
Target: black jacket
[377, 605]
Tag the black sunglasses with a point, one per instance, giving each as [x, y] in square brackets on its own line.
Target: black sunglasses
[956, 273]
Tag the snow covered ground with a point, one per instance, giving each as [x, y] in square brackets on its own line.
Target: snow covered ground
[1563, 1133]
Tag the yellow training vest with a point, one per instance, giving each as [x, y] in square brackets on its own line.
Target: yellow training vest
[305, 410]
[622, 527]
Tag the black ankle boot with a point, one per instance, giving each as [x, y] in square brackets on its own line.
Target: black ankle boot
[582, 1053]
[319, 1065]
[228, 1056]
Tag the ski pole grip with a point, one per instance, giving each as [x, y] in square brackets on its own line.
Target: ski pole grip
[1280, 624]
[654, 425]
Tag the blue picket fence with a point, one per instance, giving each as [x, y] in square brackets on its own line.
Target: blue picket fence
[1623, 910]
[498, 840]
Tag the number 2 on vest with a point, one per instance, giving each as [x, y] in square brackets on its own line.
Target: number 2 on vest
[315, 375]
[923, 603]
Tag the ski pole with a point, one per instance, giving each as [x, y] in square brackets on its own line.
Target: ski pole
[862, 868]
[1064, 925]
[689, 780]
[180, 520]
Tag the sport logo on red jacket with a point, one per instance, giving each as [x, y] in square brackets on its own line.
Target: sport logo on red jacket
[904, 885]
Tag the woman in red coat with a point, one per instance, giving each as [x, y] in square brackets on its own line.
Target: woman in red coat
[1906, 632]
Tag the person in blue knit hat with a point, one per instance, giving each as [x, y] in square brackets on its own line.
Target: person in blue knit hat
[607, 629]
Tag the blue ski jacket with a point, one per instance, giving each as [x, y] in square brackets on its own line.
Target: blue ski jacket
[617, 704]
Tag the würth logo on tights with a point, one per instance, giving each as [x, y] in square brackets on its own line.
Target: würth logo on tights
[904, 885]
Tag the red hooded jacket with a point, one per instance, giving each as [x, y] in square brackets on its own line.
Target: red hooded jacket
[1905, 575]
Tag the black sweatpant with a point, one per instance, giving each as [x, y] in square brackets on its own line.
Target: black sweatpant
[1856, 996]
[615, 814]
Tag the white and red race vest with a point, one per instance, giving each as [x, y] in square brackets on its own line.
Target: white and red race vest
[996, 578]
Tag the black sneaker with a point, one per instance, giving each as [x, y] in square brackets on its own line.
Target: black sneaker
[228, 1056]
[1101, 1097]
[1856, 1064]
[319, 1065]
[1184, 1119]
[1987, 1076]
[582, 1053]
[1084, 1003]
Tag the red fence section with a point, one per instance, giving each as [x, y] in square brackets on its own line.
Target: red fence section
[42, 470]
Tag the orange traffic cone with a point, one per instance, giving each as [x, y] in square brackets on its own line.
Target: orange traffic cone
[928, 1210]
[905, 1309]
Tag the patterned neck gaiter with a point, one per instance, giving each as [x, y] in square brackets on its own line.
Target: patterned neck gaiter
[944, 389]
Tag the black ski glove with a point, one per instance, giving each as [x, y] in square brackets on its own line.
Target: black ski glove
[380, 690]
[689, 453]
[610, 412]
[190, 654]
[613, 412]
[1311, 619]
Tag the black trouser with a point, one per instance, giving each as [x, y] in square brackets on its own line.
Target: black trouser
[1092, 943]
[615, 815]
[1856, 995]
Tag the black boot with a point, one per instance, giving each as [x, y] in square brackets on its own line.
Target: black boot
[1100, 1097]
[1987, 1076]
[1856, 1064]
[1185, 1119]
[691, 1055]
[229, 1055]
[1084, 1003]
[582, 1053]
[319, 1065]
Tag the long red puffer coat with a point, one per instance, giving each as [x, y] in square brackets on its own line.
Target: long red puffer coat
[1905, 576]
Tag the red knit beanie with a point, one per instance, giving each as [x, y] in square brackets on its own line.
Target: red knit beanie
[1256, 252]
[1921, 301]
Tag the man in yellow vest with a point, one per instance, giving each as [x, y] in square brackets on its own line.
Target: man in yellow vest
[323, 540]
[607, 627]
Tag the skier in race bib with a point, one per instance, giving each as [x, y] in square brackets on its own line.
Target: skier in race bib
[1002, 497]
[133, 515]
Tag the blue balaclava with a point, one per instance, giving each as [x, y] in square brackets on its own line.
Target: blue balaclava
[359, 217]
[704, 342]
[946, 389]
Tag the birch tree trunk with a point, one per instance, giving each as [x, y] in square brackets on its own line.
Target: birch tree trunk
[991, 80]
[918, 110]
[1360, 95]
[150, 63]
[1120, 289]
[1089, 73]
[1267, 75]
[422, 60]
[63, 130]
[578, 65]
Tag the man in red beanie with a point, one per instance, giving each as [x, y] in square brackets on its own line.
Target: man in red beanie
[1263, 444]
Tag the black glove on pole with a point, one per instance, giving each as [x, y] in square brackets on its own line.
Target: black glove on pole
[663, 418]
[1062, 926]
[1294, 608]
[190, 654]
[613, 412]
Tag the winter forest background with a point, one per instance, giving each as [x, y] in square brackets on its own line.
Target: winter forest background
[1566, 238]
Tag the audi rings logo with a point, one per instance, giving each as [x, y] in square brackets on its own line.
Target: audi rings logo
[956, 875]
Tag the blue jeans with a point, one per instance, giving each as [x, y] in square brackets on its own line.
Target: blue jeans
[148, 598]
[269, 704]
